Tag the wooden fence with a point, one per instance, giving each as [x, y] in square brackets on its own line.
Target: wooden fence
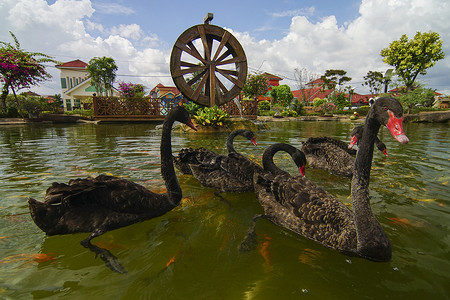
[119, 109]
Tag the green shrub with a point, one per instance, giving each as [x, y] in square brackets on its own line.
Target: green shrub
[297, 106]
[263, 105]
[81, 112]
[266, 113]
[211, 116]
[318, 102]
[289, 113]
[363, 110]
[192, 108]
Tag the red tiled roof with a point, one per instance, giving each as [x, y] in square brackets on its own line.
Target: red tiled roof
[30, 93]
[318, 81]
[357, 98]
[164, 89]
[73, 64]
[159, 85]
[310, 94]
[272, 77]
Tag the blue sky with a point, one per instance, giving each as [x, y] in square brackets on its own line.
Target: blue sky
[277, 36]
[260, 18]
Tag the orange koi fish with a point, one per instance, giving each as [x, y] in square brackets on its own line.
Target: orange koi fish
[264, 251]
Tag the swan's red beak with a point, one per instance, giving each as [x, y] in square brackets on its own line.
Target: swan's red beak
[394, 125]
[302, 170]
[384, 152]
[190, 124]
[254, 141]
[353, 141]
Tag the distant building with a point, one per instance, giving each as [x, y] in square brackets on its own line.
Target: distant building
[75, 84]
[312, 91]
[442, 102]
[169, 96]
[272, 80]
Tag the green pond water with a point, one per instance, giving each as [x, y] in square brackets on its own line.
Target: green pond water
[192, 251]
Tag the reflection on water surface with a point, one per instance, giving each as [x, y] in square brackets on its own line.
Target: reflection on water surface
[192, 250]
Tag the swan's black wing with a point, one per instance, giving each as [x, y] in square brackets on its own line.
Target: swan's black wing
[327, 156]
[188, 156]
[219, 179]
[240, 167]
[105, 191]
[298, 204]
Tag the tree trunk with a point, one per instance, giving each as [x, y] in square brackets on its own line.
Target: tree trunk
[5, 91]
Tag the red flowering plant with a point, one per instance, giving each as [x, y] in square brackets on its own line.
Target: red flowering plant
[131, 90]
[20, 69]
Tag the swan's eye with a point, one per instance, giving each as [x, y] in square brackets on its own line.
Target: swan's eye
[385, 108]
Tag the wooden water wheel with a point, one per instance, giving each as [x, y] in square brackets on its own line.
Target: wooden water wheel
[208, 65]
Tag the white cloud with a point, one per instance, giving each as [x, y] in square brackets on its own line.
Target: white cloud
[132, 31]
[355, 47]
[60, 30]
[113, 9]
[308, 11]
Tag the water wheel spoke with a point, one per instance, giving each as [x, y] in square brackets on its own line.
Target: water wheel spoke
[200, 86]
[188, 64]
[222, 86]
[190, 49]
[224, 55]
[201, 31]
[196, 78]
[229, 72]
[231, 61]
[223, 41]
[236, 81]
[181, 72]
[212, 85]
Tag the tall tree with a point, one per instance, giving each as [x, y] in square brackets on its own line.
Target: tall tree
[335, 80]
[255, 85]
[417, 97]
[282, 94]
[20, 69]
[303, 76]
[414, 57]
[375, 81]
[102, 71]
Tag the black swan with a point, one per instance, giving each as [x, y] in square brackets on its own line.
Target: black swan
[104, 203]
[234, 173]
[303, 207]
[329, 154]
[190, 156]
[333, 155]
[356, 135]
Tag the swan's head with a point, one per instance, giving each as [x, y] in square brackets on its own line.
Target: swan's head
[389, 112]
[249, 135]
[180, 114]
[356, 134]
[382, 147]
[300, 161]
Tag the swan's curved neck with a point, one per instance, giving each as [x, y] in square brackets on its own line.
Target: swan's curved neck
[270, 152]
[230, 139]
[372, 241]
[174, 192]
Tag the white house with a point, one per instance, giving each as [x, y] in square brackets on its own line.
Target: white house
[75, 84]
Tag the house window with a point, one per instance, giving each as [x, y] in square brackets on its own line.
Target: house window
[76, 80]
[63, 83]
[76, 104]
[71, 83]
[68, 105]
